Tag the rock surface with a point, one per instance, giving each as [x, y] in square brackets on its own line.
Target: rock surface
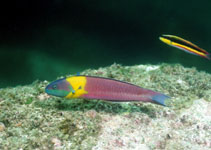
[30, 119]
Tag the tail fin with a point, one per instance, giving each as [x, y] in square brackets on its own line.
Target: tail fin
[160, 99]
[208, 56]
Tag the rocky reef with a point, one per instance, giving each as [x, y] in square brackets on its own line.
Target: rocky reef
[30, 119]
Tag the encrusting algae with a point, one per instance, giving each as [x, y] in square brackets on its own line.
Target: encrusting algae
[30, 119]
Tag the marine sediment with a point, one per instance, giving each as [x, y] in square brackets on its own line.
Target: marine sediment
[30, 119]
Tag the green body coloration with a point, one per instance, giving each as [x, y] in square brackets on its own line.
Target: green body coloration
[61, 90]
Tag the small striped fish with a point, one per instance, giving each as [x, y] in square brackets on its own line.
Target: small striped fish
[185, 45]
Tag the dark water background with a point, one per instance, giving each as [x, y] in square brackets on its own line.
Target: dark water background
[44, 39]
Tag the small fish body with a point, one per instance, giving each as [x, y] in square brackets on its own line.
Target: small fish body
[185, 45]
[90, 87]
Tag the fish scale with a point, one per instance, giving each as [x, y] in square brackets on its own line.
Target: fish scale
[90, 87]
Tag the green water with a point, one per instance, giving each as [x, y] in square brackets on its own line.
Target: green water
[45, 40]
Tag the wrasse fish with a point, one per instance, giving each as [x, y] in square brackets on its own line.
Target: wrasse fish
[89, 87]
[185, 45]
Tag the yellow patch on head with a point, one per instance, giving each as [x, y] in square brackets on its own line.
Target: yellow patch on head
[165, 40]
[78, 84]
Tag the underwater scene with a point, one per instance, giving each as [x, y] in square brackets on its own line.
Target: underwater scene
[105, 75]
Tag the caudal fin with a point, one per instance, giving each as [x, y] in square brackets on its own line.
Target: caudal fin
[160, 99]
[208, 56]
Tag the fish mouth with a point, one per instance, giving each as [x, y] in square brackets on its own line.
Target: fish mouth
[48, 91]
[57, 94]
[58, 88]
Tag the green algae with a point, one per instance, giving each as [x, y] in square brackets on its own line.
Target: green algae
[30, 119]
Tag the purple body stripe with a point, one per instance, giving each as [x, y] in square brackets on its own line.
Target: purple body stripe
[108, 89]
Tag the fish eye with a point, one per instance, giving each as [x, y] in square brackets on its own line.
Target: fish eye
[54, 87]
[80, 87]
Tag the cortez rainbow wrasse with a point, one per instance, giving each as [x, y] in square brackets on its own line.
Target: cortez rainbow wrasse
[185, 45]
[89, 87]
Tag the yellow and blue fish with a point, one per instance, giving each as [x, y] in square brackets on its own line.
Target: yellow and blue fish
[90, 87]
[185, 45]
